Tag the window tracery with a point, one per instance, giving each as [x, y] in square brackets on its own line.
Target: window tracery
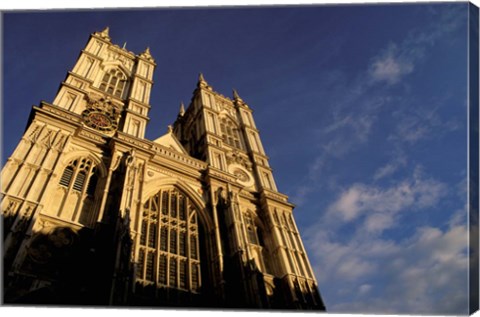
[79, 182]
[169, 242]
[113, 82]
[230, 133]
[79, 176]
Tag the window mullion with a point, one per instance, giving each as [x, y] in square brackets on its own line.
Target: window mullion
[83, 193]
[78, 207]
[167, 247]
[158, 237]
[187, 242]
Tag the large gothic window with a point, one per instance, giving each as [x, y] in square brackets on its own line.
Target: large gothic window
[75, 200]
[113, 83]
[230, 133]
[169, 246]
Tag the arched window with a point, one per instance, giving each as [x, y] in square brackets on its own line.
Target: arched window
[113, 83]
[74, 199]
[79, 175]
[230, 133]
[169, 245]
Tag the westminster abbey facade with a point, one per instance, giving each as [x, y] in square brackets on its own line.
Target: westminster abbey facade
[95, 214]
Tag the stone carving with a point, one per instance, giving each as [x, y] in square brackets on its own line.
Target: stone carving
[101, 114]
[235, 157]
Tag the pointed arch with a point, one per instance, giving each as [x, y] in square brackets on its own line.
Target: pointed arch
[230, 131]
[154, 185]
[77, 178]
[67, 158]
[116, 64]
[173, 226]
[114, 79]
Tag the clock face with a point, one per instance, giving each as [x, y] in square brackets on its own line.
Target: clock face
[99, 121]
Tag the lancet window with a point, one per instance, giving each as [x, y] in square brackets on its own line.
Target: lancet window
[113, 82]
[79, 176]
[74, 198]
[169, 245]
[230, 133]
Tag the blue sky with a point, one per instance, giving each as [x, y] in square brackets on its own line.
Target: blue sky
[361, 108]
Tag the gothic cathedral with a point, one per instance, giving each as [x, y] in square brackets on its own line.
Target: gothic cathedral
[95, 214]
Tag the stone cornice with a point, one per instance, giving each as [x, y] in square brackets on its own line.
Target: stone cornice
[91, 136]
[278, 197]
[220, 175]
[59, 112]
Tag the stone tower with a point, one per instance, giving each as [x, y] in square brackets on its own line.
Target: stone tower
[95, 214]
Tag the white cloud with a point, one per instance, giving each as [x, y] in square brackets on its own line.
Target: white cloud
[346, 132]
[424, 273]
[379, 205]
[360, 266]
[364, 288]
[421, 123]
[390, 69]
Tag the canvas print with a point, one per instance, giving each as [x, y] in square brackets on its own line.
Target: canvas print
[284, 158]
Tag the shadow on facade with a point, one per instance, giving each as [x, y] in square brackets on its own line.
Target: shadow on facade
[247, 287]
[95, 267]
[58, 268]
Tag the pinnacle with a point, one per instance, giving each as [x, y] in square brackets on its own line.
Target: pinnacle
[236, 97]
[235, 94]
[104, 34]
[146, 54]
[201, 81]
[182, 109]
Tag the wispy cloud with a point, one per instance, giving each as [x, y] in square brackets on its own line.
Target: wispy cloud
[359, 106]
[365, 248]
[424, 272]
[415, 125]
[389, 67]
[380, 205]
[390, 168]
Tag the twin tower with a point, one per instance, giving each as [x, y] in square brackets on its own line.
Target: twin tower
[95, 214]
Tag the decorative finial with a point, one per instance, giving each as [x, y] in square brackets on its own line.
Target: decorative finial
[201, 81]
[182, 109]
[104, 34]
[147, 55]
[106, 31]
[235, 95]
[170, 129]
[124, 45]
